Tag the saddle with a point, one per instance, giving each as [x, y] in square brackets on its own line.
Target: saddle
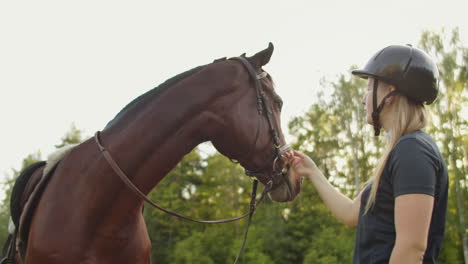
[25, 197]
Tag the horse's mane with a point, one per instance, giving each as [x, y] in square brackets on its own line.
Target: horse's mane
[143, 99]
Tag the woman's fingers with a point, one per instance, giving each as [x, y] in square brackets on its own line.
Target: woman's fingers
[297, 161]
[299, 154]
[288, 156]
[293, 156]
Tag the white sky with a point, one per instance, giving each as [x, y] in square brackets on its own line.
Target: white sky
[64, 62]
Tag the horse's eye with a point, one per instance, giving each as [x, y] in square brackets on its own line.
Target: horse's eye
[280, 105]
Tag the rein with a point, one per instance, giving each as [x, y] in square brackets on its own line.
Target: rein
[262, 102]
[140, 194]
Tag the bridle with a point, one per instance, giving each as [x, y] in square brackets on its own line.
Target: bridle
[262, 104]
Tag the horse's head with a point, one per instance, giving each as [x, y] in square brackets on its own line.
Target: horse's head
[250, 127]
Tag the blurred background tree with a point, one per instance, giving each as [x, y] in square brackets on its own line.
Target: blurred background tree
[450, 129]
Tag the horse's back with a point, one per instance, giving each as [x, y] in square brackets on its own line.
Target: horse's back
[62, 232]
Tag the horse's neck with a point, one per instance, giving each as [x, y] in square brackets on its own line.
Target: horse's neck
[155, 140]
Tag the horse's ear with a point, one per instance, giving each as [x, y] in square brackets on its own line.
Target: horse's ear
[220, 59]
[242, 55]
[263, 57]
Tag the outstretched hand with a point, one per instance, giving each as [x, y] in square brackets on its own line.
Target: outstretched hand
[301, 164]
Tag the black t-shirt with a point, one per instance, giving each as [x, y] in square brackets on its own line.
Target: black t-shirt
[415, 165]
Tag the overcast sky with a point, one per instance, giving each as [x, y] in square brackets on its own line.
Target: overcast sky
[64, 62]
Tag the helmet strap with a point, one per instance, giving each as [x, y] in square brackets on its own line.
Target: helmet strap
[376, 110]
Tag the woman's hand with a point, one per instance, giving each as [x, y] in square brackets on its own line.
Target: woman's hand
[343, 208]
[301, 164]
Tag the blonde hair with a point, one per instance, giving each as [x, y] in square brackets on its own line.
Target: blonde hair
[407, 118]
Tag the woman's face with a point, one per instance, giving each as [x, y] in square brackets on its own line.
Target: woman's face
[367, 100]
[382, 90]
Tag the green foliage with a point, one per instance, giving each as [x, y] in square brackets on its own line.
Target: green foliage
[451, 131]
[337, 241]
[205, 189]
[74, 136]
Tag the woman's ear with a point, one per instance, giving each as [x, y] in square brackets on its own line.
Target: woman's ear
[391, 99]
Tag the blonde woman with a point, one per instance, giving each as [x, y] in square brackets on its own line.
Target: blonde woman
[400, 213]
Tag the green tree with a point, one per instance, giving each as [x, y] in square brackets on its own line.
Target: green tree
[175, 193]
[202, 188]
[451, 131]
[327, 135]
[73, 136]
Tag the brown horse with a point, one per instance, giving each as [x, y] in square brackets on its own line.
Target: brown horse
[86, 214]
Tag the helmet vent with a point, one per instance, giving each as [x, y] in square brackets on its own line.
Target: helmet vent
[405, 71]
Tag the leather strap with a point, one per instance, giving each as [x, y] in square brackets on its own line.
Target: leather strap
[377, 109]
[137, 191]
[263, 105]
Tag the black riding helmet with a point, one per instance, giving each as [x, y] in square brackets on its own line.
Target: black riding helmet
[409, 69]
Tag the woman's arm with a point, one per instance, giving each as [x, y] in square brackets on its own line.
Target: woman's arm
[343, 208]
[412, 220]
